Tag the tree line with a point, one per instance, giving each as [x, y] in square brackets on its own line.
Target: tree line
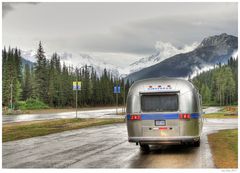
[219, 86]
[51, 82]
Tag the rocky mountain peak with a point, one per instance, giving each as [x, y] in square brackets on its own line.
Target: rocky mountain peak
[222, 39]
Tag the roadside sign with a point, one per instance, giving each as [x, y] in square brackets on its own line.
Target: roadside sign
[76, 85]
[116, 89]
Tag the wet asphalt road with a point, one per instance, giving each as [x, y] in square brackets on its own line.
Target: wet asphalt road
[107, 147]
[211, 109]
[98, 113]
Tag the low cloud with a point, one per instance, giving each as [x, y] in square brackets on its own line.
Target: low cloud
[167, 50]
[196, 70]
[116, 31]
[139, 36]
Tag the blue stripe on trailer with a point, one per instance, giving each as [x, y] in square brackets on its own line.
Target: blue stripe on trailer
[158, 116]
[195, 115]
[162, 116]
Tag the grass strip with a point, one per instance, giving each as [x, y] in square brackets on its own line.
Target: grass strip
[224, 147]
[16, 131]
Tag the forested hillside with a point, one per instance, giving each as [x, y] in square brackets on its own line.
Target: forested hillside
[219, 86]
[52, 83]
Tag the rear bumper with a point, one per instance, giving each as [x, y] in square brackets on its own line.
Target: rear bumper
[162, 140]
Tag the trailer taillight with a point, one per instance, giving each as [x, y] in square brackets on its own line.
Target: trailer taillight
[135, 117]
[184, 116]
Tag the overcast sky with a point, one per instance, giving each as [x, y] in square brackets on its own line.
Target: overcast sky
[117, 32]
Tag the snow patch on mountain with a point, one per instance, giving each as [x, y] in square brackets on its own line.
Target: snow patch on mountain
[167, 50]
[99, 65]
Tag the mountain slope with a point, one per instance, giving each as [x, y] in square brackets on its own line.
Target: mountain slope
[212, 50]
[164, 50]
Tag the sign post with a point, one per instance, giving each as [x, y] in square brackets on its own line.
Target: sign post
[116, 90]
[76, 86]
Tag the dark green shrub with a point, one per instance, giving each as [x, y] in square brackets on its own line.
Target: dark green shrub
[30, 104]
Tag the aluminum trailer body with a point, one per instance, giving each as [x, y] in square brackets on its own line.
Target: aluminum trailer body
[164, 111]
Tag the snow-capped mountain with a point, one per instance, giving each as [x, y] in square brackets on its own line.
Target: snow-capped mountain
[28, 55]
[99, 65]
[163, 51]
[74, 60]
[212, 50]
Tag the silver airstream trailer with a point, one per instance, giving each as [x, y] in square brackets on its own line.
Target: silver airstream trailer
[163, 111]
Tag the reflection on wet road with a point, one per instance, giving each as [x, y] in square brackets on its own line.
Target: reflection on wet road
[107, 147]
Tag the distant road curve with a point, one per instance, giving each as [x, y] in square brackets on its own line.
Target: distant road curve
[211, 109]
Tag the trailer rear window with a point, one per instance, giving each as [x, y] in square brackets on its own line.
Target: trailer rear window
[159, 103]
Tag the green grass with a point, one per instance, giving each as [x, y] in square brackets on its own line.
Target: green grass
[16, 131]
[224, 147]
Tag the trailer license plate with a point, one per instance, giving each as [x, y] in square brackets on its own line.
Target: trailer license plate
[160, 122]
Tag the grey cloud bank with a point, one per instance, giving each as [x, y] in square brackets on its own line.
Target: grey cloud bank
[126, 30]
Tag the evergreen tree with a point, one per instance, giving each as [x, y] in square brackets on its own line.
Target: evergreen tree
[41, 75]
[11, 72]
[27, 85]
[220, 83]
[5, 78]
[95, 91]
